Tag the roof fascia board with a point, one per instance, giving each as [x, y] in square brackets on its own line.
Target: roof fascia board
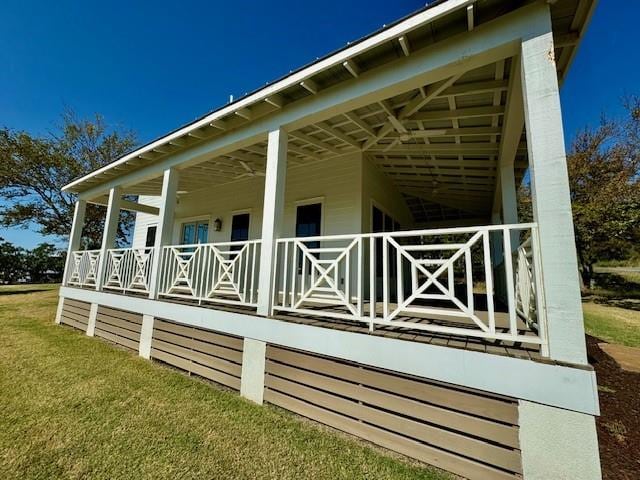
[398, 30]
[490, 42]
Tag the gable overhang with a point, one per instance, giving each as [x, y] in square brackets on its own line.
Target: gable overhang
[356, 75]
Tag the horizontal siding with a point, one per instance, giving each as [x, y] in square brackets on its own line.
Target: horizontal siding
[336, 181]
[75, 313]
[466, 432]
[119, 326]
[144, 220]
[211, 355]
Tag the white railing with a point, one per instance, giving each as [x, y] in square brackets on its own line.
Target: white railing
[83, 268]
[525, 293]
[435, 280]
[128, 270]
[225, 273]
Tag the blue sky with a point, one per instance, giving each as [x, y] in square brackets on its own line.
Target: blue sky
[152, 66]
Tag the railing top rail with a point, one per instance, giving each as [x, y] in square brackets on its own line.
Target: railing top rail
[124, 249]
[414, 233]
[215, 244]
[97, 250]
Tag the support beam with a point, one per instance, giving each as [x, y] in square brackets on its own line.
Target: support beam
[550, 195]
[165, 224]
[91, 323]
[128, 205]
[110, 232]
[75, 237]
[253, 363]
[146, 334]
[273, 212]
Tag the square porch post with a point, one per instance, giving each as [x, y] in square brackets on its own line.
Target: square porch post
[109, 233]
[75, 237]
[551, 197]
[164, 230]
[273, 211]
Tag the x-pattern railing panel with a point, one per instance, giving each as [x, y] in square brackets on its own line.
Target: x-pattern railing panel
[215, 272]
[128, 269]
[84, 268]
[409, 278]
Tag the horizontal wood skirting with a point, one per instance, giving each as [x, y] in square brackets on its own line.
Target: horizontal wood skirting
[211, 355]
[75, 313]
[470, 433]
[119, 326]
[570, 387]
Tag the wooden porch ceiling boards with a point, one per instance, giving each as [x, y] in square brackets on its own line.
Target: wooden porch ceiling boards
[438, 144]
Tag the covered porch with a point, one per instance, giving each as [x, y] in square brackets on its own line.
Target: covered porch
[375, 193]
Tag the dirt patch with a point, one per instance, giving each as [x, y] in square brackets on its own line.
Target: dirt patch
[619, 423]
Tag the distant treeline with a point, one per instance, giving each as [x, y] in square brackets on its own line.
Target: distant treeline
[44, 263]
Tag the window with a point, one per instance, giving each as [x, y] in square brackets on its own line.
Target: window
[195, 232]
[308, 224]
[150, 240]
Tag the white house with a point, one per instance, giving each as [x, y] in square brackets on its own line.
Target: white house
[344, 243]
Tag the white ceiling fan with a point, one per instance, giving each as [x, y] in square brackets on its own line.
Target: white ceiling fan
[250, 172]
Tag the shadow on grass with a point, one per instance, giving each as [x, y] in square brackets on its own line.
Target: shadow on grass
[5, 292]
[613, 289]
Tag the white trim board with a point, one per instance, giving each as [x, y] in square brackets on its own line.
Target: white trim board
[545, 383]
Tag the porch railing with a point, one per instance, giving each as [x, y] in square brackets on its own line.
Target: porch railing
[83, 268]
[225, 273]
[435, 280]
[128, 270]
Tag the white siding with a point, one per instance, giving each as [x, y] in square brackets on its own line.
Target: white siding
[346, 186]
[336, 183]
[144, 220]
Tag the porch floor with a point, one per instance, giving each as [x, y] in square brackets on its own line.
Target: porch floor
[496, 347]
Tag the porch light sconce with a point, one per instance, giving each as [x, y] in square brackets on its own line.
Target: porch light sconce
[217, 225]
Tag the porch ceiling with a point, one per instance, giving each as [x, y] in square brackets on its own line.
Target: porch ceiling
[438, 145]
[417, 32]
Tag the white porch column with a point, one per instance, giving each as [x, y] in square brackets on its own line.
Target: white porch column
[550, 195]
[110, 232]
[75, 236]
[165, 224]
[273, 207]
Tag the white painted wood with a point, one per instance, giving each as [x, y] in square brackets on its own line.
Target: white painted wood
[552, 384]
[165, 224]
[551, 200]
[91, 324]
[145, 220]
[487, 43]
[146, 334]
[59, 310]
[274, 194]
[253, 363]
[110, 232]
[75, 236]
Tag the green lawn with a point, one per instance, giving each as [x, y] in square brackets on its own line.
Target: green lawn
[613, 324]
[75, 407]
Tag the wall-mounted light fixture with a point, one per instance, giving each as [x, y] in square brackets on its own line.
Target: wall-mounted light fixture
[217, 225]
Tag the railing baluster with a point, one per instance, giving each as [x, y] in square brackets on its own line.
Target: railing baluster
[508, 262]
[488, 271]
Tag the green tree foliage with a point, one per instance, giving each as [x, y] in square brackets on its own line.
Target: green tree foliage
[12, 262]
[604, 176]
[33, 169]
[44, 263]
[604, 170]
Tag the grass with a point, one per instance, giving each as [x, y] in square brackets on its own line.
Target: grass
[613, 324]
[76, 407]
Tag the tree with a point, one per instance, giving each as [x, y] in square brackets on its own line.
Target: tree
[604, 177]
[12, 265]
[604, 173]
[44, 263]
[34, 169]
